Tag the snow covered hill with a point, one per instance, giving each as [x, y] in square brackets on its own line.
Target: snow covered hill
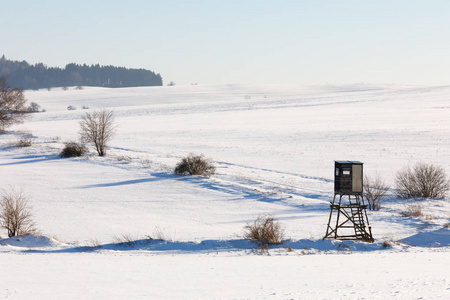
[274, 148]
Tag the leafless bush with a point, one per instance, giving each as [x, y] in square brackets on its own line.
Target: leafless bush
[15, 215]
[12, 105]
[34, 107]
[98, 127]
[195, 165]
[23, 142]
[265, 231]
[423, 180]
[375, 189]
[414, 210]
[73, 149]
[71, 107]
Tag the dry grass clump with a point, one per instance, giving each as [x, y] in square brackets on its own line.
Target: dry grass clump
[23, 142]
[423, 180]
[414, 210]
[15, 215]
[73, 149]
[195, 165]
[375, 189]
[125, 240]
[93, 244]
[265, 231]
[387, 244]
[160, 235]
[146, 162]
[125, 158]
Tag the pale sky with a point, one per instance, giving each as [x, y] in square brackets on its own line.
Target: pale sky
[245, 41]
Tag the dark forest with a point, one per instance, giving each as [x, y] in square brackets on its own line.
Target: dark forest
[24, 75]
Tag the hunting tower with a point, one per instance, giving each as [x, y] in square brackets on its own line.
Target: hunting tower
[348, 214]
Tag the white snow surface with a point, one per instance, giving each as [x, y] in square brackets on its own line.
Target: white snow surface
[124, 226]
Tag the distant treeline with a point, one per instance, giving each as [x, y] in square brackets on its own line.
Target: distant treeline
[22, 74]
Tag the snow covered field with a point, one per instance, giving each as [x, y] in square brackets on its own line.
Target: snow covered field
[274, 148]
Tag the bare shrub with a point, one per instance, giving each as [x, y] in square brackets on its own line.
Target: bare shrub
[195, 165]
[23, 142]
[71, 107]
[12, 105]
[265, 230]
[98, 127]
[73, 149]
[15, 214]
[414, 210]
[375, 189]
[423, 180]
[34, 107]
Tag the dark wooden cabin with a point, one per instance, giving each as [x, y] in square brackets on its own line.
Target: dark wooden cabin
[348, 177]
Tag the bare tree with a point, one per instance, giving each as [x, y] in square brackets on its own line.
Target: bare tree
[34, 107]
[15, 215]
[375, 189]
[12, 105]
[98, 127]
[423, 180]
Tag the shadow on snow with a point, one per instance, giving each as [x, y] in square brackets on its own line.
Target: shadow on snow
[40, 244]
[31, 159]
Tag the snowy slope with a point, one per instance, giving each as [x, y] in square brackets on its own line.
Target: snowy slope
[274, 148]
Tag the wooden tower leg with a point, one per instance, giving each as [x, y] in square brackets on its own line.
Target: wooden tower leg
[337, 219]
[329, 219]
